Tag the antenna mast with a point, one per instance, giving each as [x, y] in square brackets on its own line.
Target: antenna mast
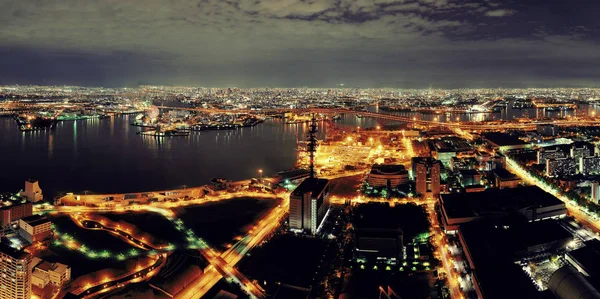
[312, 144]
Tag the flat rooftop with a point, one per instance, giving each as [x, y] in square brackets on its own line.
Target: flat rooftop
[388, 169]
[313, 185]
[293, 173]
[491, 251]
[589, 258]
[503, 139]
[13, 253]
[504, 174]
[34, 220]
[494, 201]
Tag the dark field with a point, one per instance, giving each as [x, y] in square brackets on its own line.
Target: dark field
[220, 222]
[152, 223]
[93, 239]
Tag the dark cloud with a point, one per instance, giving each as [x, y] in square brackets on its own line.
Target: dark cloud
[363, 43]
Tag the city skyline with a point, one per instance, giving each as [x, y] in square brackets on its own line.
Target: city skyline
[364, 44]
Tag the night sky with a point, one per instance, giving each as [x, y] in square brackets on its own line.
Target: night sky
[295, 43]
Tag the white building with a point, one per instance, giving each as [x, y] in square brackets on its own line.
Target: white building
[309, 204]
[56, 273]
[35, 228]
[595, 192]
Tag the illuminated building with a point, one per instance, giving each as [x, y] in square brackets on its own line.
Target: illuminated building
[506, 179]
[383, 175]
[427, 176]
[309, 203]
[14, 209]
[33, 192]
[379, 245]
[469, 177]
[544, 154]
[561, 167]
[35, 228]
[15, 273]
[530, 202]
[595, 192]
[589, 165]
[547, 130]
[580, 150]
[55, 273]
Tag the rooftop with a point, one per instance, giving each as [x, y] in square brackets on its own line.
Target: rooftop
[493, 201]
[314, 185]
[13, 253]
[491, 254]
[34, 220]
[589, 258]
[503, 139]
[388, 169]
[504, 174]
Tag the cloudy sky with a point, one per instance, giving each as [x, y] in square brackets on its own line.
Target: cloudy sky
[294, 43]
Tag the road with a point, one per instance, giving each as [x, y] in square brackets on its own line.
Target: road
[119, 282]
[574, 210]
[220, 265]
[233, 255]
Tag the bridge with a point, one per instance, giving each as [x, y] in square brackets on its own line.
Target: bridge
[498, 125]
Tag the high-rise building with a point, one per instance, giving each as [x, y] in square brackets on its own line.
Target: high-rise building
[595, 192]
[544, 154]
[580, 150]
[15, 273]
[33, 192]
[309, 203]
[426, 172]
[589, 165]
[13, 209]
[561, 167]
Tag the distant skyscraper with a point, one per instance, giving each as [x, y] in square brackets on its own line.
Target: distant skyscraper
[15, 273]
[427, 176]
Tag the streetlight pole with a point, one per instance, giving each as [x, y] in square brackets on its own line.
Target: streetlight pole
[260, 171]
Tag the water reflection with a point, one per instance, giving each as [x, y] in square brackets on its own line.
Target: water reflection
[106, 155]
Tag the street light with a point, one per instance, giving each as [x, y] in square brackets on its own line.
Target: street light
[260, 171]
